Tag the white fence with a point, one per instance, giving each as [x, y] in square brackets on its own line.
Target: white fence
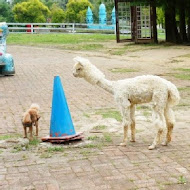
[34, 28]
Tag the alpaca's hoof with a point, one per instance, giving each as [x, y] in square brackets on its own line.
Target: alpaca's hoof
[164, 144]
[123, 144]
[151, 147]
[132, 140]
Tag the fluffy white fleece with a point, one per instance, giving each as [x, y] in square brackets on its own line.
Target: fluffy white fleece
[129, 92]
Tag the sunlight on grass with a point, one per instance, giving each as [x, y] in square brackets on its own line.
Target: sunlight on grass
[55, 39]
[45, 155]
[85, 152]
[120, 51]
[95, 137]
[183, 74]
[183, 69]
[107, 137]
[184, 89]
[99, 146]
[100, 127]
[186, 55]
[122, 70]
[55, 149]
[34, 142]
[182, 180]
[5, 137]
[92, 47]
[110, 114]
[86, 115]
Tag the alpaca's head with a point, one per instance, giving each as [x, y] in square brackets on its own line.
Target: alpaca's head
[84, 69]
[79, 67]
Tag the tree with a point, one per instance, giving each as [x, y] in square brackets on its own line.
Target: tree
[60, 3]
[188, 20]
[177, 17]
[6, 14]
[182, 22]
[31, 11]
[57, 14]
[48, 3]
[76, 10]
[172, 34]
[14, 2]
[160, 16]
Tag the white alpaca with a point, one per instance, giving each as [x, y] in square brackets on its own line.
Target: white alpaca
[129, 92]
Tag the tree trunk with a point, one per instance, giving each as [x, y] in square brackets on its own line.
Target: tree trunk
[172, 34]
[154, 22]
[188, 22]
[182, 24]
[188, 31]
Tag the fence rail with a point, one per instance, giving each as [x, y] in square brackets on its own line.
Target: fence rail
[34, 28]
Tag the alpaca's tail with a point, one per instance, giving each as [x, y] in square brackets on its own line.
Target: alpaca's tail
[174, 96]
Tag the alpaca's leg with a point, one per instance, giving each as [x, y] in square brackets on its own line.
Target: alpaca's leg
[159, 100]
[132, 116]
[160, 124]
[126, 124]
[170, 120]
[125, 131]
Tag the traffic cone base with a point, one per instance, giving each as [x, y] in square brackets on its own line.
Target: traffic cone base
[61, 125]
[77, 136]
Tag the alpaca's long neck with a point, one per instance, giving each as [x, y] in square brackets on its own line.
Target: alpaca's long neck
[94, 76]
[106, 85]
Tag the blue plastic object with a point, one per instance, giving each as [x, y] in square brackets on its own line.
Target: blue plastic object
[61, 123]
[102, 19]
[89, 16]
[102, 14]
[113, 20]
[6, 60]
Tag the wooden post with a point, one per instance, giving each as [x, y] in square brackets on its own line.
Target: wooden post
[32, 26]
[153, 21]
[117, 21]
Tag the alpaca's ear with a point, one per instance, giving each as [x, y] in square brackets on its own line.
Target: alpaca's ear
[80, 65]
[78, 61]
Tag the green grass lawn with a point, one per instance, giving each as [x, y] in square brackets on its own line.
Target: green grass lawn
[80, 42]
[60, 39]
[56, 39]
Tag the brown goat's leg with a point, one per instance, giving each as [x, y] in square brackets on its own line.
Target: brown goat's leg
[36, 124]
[25, 133]
[31, 136]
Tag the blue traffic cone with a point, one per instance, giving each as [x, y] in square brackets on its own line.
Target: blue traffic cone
[61, 125]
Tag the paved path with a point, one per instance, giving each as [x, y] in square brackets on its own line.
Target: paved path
[110, 167]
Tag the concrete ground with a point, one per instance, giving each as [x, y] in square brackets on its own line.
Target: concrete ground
[87, 165]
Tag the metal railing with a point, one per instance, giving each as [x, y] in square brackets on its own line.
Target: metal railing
[34, 28]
